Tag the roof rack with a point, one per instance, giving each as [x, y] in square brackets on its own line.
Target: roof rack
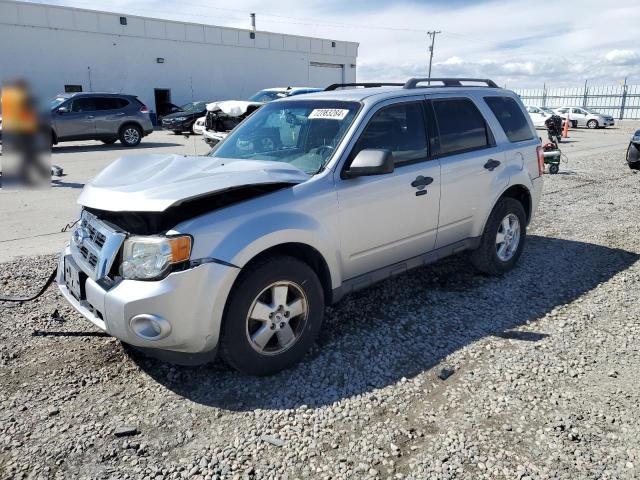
[449, 82]
[336, 86]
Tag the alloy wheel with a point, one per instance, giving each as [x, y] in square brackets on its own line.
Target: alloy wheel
[131, 135]
[277, 317]
[508, 237]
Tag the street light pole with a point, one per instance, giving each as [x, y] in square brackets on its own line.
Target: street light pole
[432, 34]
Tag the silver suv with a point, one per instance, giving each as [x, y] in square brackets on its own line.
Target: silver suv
[307, 200]
[99, 116]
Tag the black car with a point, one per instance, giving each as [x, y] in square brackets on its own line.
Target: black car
[633, 152]
[183, 120]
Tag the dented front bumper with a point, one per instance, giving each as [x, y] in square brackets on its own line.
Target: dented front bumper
[185, 309]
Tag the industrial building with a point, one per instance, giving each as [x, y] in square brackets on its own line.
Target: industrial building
[62, 49]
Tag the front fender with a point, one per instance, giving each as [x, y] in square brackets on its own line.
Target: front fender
[237, 240]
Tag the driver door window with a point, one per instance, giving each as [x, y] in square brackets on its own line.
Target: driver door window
[400, 129]
[83, 105]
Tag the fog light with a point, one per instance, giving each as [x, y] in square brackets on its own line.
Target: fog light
[150, 327]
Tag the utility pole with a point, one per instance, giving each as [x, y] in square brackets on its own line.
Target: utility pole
[433, 39]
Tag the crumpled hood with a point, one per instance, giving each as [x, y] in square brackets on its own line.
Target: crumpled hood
[233, 108]
[155, 182]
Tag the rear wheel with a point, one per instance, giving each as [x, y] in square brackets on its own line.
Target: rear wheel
[272, 317]
[503, 238]
[177, 132]
[592, 124]
[553, 169]
[130, 135]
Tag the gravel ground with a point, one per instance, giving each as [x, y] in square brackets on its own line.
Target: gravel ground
[440, 373]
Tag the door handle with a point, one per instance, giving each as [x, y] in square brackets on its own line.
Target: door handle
[421, 182]
[491, 164]
[119, 114]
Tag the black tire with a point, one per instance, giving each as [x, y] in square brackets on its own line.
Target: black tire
[574, 124]
[634, 166]
[485, 258]
[553, 169]
[592, 124]
[177, 132]
[110, 141]
[130, 135]
[238, 330]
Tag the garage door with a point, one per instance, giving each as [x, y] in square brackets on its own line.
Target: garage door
[324, 74]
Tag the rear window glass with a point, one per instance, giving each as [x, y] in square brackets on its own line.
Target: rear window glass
[110, 103]
[510, 117]
[461, 126]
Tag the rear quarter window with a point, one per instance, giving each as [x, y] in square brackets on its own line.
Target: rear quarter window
[461, 126]
[510, 117]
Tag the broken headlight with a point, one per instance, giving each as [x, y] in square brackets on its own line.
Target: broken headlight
[151, 258]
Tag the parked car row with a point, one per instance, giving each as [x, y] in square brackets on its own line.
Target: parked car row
[110, 117]
[578, 116]
[222, 117]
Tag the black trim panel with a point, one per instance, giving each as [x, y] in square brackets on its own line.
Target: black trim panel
[368, 279]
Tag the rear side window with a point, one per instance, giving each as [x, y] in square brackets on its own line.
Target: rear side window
[510, 117]
[461, 126]
[399, 128]
[110, 103]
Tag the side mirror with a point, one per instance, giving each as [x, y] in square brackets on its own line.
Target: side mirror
[370, 162]
[62, 110]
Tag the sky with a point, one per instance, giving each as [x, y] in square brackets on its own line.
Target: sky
[517, 43]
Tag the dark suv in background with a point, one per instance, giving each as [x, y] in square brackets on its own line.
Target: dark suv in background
[107, 117]
[183, 119]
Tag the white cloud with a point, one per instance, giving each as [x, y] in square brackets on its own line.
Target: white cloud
[453, 61]
[622, 57]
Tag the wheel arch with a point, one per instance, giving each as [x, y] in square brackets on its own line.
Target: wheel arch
[305, 253]
[523, 195]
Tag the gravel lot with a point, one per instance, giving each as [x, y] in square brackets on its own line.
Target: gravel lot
[544, 368]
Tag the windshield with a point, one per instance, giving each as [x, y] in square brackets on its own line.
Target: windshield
[547, 110]
[193, 107]
[592, 112]
[56, 102]
[303, 133]
[265, 96]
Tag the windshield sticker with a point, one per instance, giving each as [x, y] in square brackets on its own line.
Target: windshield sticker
[328, 114]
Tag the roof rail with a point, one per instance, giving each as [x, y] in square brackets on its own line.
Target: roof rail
[449, 82]
[336, 86]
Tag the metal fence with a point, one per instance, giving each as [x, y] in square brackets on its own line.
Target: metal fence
[619, 101]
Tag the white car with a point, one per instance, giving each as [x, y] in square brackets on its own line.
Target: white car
[198, 126]
[539, 115]
[584, 117]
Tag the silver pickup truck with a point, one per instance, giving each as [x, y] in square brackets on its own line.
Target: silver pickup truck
[308, 199]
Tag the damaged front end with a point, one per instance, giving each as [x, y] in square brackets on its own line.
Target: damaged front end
[131, 273]
[222, 117]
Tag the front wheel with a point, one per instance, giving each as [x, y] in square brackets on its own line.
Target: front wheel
[553, 169]
[130, 135]
[273, 316]
[592, 124]
[503, 238]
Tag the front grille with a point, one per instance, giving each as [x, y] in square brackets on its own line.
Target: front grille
[89, 257]
[95, 245]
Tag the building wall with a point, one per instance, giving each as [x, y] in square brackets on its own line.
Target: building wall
[57, 46]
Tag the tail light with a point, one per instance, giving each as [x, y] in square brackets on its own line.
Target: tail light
[540, 160]
[144, 109]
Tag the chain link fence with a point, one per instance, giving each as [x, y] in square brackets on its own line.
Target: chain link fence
[619, 101]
